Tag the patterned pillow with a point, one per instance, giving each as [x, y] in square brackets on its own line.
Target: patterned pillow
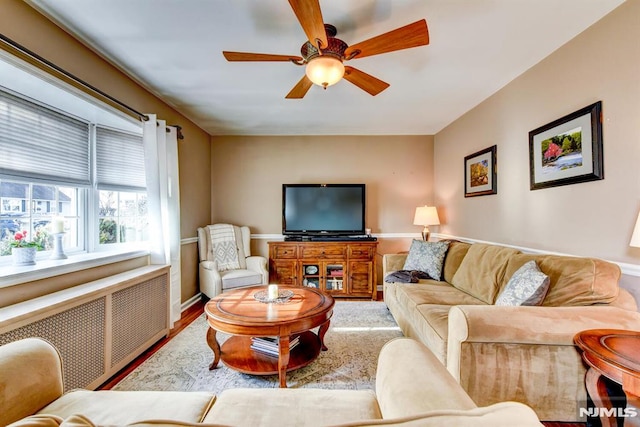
[427, 257]
[527, 286]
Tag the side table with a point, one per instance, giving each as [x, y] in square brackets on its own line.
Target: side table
[614, 354]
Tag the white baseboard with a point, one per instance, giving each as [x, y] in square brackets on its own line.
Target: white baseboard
[191, 301]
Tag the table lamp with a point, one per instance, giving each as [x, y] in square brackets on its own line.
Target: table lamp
[635, 237]
[426, 216]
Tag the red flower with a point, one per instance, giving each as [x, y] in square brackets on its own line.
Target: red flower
[20, 241]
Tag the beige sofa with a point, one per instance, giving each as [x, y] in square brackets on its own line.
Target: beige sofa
[499, 353]
[412, 389]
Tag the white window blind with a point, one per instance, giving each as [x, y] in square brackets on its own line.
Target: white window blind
[38, 142]
[120, 160]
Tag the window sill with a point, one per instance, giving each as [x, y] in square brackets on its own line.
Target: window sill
[12, 275]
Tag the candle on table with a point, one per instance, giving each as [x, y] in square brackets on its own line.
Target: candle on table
[272, 292]
[57, 225]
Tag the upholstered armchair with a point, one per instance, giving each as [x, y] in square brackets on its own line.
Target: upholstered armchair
[226, 261]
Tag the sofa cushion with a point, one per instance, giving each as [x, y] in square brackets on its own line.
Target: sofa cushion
[427, 257]
[292, 407]
[455, 254]
[125, 407]
[421, 310]
[40, 420]
[506, 414]
[431, 292]
[239, 278]
[431, 322]
[80, 420]
[482, 270]
[573, 280]
[527, 286]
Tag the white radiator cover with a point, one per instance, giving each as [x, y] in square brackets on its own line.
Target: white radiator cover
[98, 327]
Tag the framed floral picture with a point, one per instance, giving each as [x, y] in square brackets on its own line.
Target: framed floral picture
[480, 173]
[567, 150]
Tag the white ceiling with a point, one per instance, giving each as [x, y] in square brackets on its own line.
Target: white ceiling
[173, 47]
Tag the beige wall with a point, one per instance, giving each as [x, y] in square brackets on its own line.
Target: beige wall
[27, 27]
[591, 219]
[247, 174]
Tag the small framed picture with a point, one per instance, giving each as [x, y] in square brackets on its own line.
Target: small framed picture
[480, 176]
[567, 150]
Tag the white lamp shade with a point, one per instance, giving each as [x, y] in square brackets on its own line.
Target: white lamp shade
[635, 237]
[325, 70]
[426, 215]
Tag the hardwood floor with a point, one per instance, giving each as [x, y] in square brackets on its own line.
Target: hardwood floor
[191, 314]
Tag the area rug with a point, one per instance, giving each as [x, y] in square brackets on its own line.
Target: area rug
[358, 331]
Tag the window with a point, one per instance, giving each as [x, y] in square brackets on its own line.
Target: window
[121, 181]
[31, 207]
[123, 217]
[58, 165]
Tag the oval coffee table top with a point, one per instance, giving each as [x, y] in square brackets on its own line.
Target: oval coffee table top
[240, 307]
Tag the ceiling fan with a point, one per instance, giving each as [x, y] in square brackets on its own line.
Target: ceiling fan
[324, 54]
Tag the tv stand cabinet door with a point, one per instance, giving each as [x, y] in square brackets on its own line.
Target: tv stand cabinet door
[283, 263]
[283, 272]
[361, 278]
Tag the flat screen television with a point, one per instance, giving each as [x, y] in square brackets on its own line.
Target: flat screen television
[323, 209]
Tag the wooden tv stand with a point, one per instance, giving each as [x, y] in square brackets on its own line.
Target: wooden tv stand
[339, 268]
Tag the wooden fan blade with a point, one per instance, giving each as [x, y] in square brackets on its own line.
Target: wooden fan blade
[364, 81]
[300, 89]
[247, 56]
[412, 35]
[310, 17]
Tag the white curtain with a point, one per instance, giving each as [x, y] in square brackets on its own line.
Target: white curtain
[161, 165]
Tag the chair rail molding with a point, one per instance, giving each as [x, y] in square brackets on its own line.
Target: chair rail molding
[188, 240]
[378, 235]
[628, 269]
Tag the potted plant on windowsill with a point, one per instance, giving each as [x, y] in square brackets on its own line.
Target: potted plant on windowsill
[22, 250]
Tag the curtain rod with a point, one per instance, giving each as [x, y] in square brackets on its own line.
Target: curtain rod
[52, 69]
[179, 134]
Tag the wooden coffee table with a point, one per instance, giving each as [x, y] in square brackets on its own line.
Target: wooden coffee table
[240, 314]
[614, 354]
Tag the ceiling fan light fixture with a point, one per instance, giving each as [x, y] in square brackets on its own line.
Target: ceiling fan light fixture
[325, 70]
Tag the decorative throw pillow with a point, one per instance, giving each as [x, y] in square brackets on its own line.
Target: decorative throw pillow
[527, 286]
[427, 257]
